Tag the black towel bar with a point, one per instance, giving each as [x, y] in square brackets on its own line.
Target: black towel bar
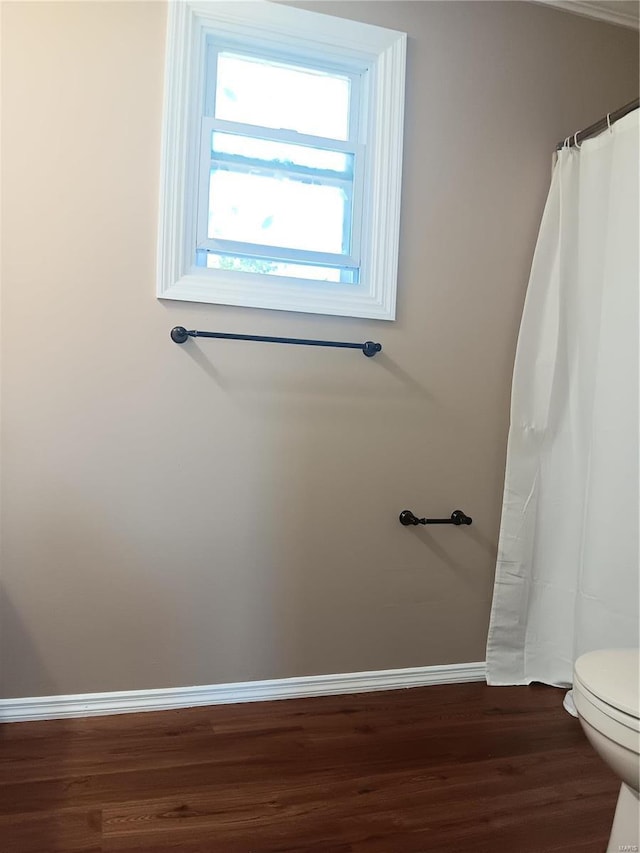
[179, 334]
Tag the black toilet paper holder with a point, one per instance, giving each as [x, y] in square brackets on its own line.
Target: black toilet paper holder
[458, 517]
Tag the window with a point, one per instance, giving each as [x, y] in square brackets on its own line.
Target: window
[281, 160]
[277, 183]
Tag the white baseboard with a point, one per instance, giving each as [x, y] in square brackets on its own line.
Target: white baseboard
[133, 701]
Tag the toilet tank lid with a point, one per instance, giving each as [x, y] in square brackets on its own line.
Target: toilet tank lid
[612, 675]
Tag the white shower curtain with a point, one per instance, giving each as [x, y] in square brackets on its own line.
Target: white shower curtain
[567, 572]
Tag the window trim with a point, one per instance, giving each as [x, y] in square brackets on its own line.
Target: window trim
[296, 32]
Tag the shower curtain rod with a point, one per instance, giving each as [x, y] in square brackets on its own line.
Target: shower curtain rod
[599, 126]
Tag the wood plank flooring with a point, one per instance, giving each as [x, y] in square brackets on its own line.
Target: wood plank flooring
[450, 768]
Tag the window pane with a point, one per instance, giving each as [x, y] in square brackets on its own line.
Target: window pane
[281, 153]
[313, 273]
[272, 94]
[277, 210]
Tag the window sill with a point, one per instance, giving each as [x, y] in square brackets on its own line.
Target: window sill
[282, 294]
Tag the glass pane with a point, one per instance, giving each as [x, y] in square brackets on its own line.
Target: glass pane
[313, 273]
[272, 94]
[281, 153]
[277, 210]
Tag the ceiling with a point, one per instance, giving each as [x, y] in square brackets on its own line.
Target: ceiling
[624, 13]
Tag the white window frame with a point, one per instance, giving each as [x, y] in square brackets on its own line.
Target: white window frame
[351, 47]
[203, 241]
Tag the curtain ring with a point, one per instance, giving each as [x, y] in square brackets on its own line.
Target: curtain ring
[575, 140]
[609, 122]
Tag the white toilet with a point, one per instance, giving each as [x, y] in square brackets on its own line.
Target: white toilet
[606, 694]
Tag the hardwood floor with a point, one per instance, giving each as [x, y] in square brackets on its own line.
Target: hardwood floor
[453, 768]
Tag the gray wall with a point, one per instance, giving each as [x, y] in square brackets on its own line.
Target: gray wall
[226, 511]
